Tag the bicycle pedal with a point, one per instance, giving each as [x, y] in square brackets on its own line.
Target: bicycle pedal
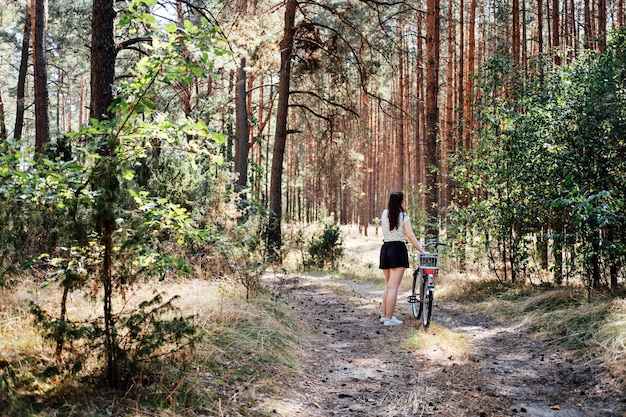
[412, 299]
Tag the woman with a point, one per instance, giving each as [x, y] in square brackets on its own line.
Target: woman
[394, 258]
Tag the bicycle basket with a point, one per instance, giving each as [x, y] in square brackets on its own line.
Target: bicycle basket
[429, 261]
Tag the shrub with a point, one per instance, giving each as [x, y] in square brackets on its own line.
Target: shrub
[325, 247]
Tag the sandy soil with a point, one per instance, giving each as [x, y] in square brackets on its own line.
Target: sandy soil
[463, 365]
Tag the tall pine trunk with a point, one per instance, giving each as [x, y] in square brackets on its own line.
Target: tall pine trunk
[432, 114]
[103, 53]
[42, 119]
[21, 79]
[556, 30]
[3, 126]
[515, 42]
[274, 238]
[241, 126]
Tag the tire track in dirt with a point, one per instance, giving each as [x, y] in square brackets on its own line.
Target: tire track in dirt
[354, 366]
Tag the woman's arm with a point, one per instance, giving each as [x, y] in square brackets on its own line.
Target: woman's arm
[408, 231]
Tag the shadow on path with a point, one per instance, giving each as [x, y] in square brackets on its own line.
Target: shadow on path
[354, 366]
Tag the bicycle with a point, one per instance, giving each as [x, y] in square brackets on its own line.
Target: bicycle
[423, 289]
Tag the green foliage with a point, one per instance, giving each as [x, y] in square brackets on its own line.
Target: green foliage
[549, 165]
[243, 255]
[118, 202]
[325, 247]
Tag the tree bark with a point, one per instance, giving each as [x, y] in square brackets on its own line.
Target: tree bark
[241, 126]
[449, 146]
[601, 25]
[540, 32]
[3, 126]
[461, 74]
[274, 238]
[103, 53]
[515, 43]
[21, 80]
[556, 40]
[39, 9]
[401, 106]
[432, 113]
[469, 90]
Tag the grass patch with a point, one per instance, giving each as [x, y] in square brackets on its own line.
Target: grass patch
[246, 350]
[484, 289]
[611, 340]
[563, 316]
[438, 342]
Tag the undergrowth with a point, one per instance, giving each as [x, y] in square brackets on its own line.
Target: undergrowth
[246, 349]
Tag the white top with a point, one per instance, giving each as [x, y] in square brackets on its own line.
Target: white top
[395, 235]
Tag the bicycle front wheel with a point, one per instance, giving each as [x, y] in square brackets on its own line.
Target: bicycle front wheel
[416, 294]
[427, 307]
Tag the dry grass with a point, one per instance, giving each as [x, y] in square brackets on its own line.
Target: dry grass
[439, 343]
[245, 349]
[611, 341]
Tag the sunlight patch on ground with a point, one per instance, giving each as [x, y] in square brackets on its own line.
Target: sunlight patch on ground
[356, 242]
[438, 343]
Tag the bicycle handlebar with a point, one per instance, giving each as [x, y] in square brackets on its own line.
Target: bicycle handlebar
[434, 243]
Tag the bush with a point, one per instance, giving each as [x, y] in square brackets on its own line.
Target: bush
[325, 248]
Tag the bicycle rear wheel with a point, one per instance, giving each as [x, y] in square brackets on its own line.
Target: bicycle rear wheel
[427, 307]
[416, 292]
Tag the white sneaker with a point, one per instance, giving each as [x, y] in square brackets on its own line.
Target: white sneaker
[382, 319]
[392, 322]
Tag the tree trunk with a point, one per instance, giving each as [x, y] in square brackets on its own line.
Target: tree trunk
[540, 33]
[39, 10]
[185, 89]
[449, 147]
[556, 40]
[21, 80]
[3, 126]
[242, 6]
[419, 112]
[515, 42]
[461, 74]
[241, 126]
[469, 90]
[432, 113]
[601, 25]
[274, 238]
[401, 107]
[103, 54]
[613, 263]
[587, 32]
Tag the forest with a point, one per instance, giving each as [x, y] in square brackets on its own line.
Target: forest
[152, 140]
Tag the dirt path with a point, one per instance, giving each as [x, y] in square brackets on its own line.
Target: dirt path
[464, 365]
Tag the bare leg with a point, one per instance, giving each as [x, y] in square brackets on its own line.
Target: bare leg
[390, 295]
[386, 273]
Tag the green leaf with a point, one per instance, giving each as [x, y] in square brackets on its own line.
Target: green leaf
[171, 28]
[128, 174]
[148, 18]
[219, 138]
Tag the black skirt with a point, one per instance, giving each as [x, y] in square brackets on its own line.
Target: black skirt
[394, 255]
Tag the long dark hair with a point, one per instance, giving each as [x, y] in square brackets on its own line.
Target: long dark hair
[395, 208]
